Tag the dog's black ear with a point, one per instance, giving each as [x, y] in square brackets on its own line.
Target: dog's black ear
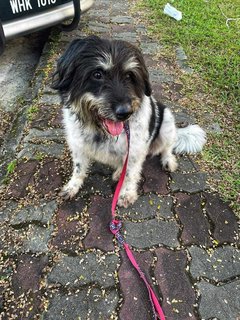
[148, 88]
[147, 85]
[145, 74]
[63, 75]
[67, 64]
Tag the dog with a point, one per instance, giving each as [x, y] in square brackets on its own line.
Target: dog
[103, 85]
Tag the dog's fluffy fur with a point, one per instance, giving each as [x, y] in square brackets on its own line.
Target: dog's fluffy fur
[103, 84]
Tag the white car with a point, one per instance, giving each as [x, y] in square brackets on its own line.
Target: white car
[19, 17]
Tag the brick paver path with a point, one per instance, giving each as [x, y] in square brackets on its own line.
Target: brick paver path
[59, 260]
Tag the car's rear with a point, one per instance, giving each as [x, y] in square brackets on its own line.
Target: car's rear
[19, 17]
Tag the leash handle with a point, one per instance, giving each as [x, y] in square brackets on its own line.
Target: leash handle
[115, 227]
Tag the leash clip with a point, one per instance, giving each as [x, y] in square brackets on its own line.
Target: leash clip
[115, 226]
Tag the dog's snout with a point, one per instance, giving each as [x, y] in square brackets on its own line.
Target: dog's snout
[123, 111]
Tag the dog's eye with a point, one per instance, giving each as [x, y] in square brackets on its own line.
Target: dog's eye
[97, 75]
[129, 75]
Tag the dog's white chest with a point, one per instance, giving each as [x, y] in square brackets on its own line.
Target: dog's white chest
[108, 150]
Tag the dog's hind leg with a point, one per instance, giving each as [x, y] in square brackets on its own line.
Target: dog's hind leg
[169, 161]
[165, 142]
[80, 167]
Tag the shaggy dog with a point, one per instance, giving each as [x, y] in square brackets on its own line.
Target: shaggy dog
[105, 84]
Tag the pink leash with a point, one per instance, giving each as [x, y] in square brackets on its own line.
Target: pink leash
[115, 227]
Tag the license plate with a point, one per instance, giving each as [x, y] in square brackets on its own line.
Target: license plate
[14, 9]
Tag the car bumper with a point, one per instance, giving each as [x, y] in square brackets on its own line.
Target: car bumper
[43, 20]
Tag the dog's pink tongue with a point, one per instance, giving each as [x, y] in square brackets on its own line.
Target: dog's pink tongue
[114, 128]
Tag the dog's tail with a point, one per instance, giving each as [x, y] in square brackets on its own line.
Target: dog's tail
[190, 139]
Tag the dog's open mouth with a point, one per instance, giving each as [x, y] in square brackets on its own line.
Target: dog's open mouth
[113, 127]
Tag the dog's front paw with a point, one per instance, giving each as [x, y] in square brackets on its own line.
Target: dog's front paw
[127, 199]
[69, 190]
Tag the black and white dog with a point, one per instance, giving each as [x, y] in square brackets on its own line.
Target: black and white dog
[103, 84]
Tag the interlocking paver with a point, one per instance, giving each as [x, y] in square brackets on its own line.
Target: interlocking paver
[185, 165]
[182, 60]
[156, 180]
[99, 219]
[42, 213]
[24, 174]
[178, 293]
[32, 151]
[189, 182]
[1, 297]
[152, 233]
[195, 225]
[49, 179]
[40, 135]
[59, 258]
[37, 239]
[149, 206]
[150, 48]
[99, 27]
[160, 76]
[123, 28]
[98, 184]
[126, 36]
[81, 270]
[50, 99]
[220, 264]
[122, 19]
[28, 273]
[45, 118]
[158, 91]
[182, 117]
[223, 218]
[84, 304]
[26, 281]
[221, 302]
[7, 210]
[135, 305]
[70, 228]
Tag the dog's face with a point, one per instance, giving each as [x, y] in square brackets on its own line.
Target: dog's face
[102, 81]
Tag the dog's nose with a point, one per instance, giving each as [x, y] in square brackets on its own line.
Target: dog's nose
[123, 112]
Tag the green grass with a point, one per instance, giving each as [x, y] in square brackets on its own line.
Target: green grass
[213, 51]
[11, 167]
[31, 112]
[213, 48]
